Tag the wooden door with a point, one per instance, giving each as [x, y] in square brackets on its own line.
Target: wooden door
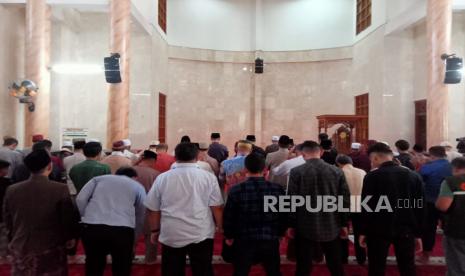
[420, 123]
[362, 108]
[162, 118]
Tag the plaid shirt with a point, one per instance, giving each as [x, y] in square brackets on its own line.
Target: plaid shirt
[317, 178]
[244, 217]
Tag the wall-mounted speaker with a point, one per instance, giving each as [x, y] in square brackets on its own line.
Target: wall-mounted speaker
[112, 70]
[259, 66]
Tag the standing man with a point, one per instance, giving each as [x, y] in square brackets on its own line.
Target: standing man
[184, 204]
[404, 156]
[5, 182]
[117, 158]
[216, 150]
[318, 179]
[451, 201]
[8, 153]
[83, 172]
[113, 213]
[354, 178]
[329, 153]
[164, 159]
[255, 149]
[253, 233]
[146, 176]
[450, 151]
[400, 225]
[274, 145]
[71, 161]
[275, 159]
[233, 170]
[359, 158]
[433, 174]
[41, 221]
[210, 161]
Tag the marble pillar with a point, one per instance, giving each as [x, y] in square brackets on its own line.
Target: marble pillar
[38, 43]
[118, 106]
[439, 26]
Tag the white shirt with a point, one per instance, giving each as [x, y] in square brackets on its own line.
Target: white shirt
[202, 164]
[354, 178]
[184, 196]
[285, 168]
[69, 162]
[452, 154]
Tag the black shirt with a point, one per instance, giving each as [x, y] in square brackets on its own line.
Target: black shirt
[4, 184]
[404, 191]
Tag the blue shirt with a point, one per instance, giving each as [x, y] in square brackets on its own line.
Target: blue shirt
[433, 173]
[112, 200]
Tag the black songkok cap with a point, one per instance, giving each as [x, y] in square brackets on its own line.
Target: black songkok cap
[215, 135]
[251, 138]
[37, 160]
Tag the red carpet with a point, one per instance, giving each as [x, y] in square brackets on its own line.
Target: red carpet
[287, 269]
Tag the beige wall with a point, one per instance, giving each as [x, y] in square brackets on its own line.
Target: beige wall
[210, 90]
[11, 68]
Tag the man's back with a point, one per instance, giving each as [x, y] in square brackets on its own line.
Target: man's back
[184, 196]
[354, 178]
[164, 162]
[146, 176]
[11, 156]
[85, 171]
[244, 216]
[398, 184]
[361, 161]
[218, 151]
[317, 178]
[113, 200]
[39, 214]
[116, 161]
[433, 173]
[275, 159]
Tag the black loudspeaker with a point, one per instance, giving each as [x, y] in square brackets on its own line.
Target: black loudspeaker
[112, 71]
[454, 71]
[259, 66]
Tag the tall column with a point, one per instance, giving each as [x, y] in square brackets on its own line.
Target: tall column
[38, 29]
[118, 94]
[439, 24]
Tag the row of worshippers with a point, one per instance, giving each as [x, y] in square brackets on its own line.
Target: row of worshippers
[244, 148]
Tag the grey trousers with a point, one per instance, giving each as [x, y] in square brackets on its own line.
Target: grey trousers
[455, 256]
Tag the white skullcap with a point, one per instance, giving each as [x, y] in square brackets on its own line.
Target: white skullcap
[127, 142]
[154, 143]
[356, 146]
[386, 143]
[445, 144]
[94, 140]
[275, 138]
[67, 144]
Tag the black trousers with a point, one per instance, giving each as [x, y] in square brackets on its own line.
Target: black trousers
[200, 256]
[360, 253]
[247, 253]
[101, 240]
[378, 249]
[331, 250]
[430, 227]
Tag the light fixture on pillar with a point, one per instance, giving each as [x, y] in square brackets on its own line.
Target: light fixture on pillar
[25, 91]
[259, 64]
[454, 66]
[112, 70]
